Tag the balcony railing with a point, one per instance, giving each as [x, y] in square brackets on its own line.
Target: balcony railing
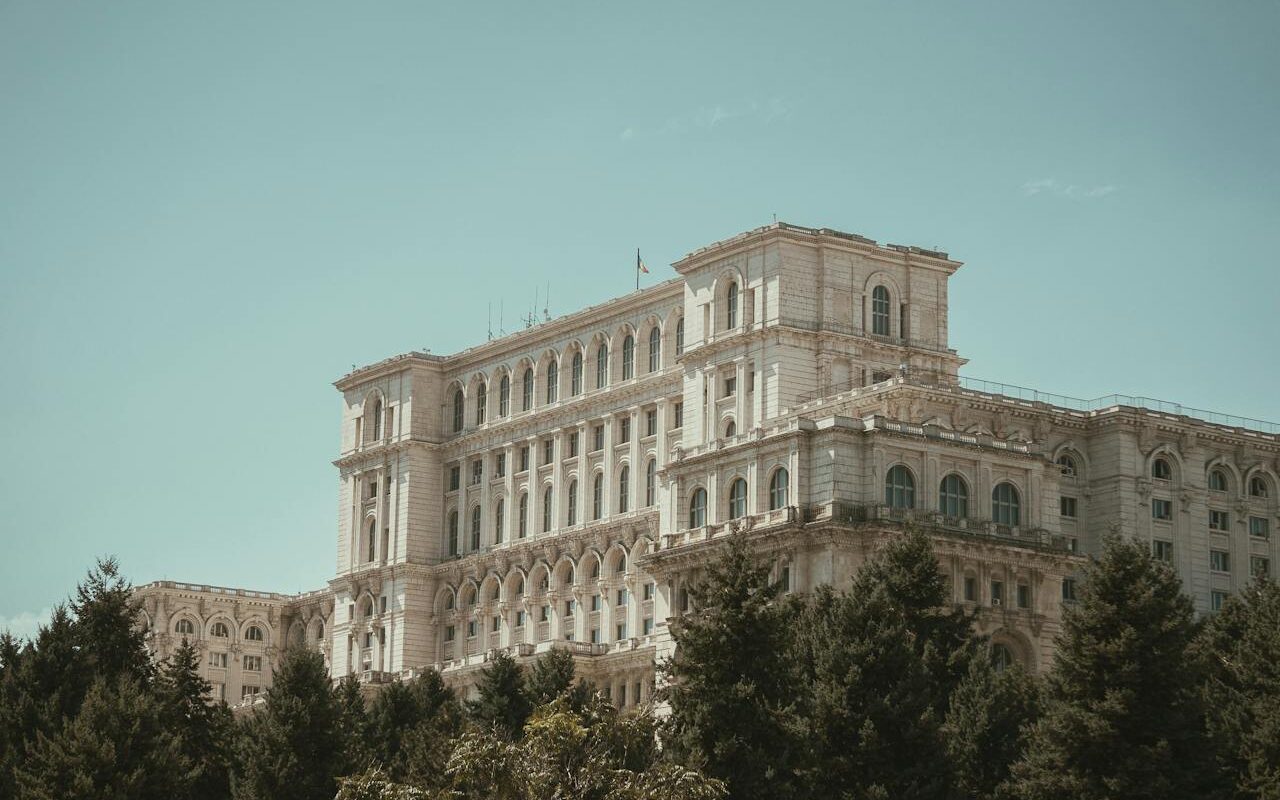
[857, 513]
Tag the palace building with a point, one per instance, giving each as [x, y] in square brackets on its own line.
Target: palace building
[561, 486]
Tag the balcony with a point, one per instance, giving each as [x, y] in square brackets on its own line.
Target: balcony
[862, 513]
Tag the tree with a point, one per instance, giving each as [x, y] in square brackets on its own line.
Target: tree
[1123, 715]
[550, 676]
[731, 684]
[202, 728]
[411, 728]
[353, 726]
[985, 729]
[501, 702]
[291, 749]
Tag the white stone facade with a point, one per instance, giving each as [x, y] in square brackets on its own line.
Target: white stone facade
[559, 486]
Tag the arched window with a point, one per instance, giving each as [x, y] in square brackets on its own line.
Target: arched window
[1001, 657]
[650, 482]
[524, 515]
[730, 429]
[546, 509]
[575, 374]
[628, 357]
[1161, 470]
[738, 499]
[953, 496]
[778, 487]
[371, 553]
[219, 629]
[698, 508]
[1006, 509]
[731, 306]
[1217, 480]
[602, 366]
[553, 381]
[880, 311]
[453, 533]
[458, 410]
[504, 396]
[1258, 486]
[254, 634]
[499, 516]
[573, 503]
[482, 397]
[185, 627]
[900, 488]
[1067, 464]
[475, 528]
[526, 390]
[597, 496]
[680, 336]
[624, 488]
[655, 348]
[377, 420]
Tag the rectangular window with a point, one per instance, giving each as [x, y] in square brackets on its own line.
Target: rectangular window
[1162, 550]
[1260, 565]
[471, 629]
[545, 614]
[1068, 507]
[620, 631]
[548, 451]
[218, 660]
[785, 578]
[595, 602]
[519, 619]
[1219, 561]
[1217, 600]
[573, 444]
[477, 470]
[524, 458]
[971, 590]
[220, 692]
[1219, 520]
[624, 430]
[1024, 596]
[751, 381]
[1161, 509]
[249, 691]
[997, 593]
[595, 636]
[569, 607]
[495, 624]
[622, 597]
[648, 591]
[501, 467]
[253, 663]
[651, 422]
[1260, 527]
[597, 438]
[679, 415]
[1069, 590]
[455, 478]
[730, 386]
[449, 633]
[647, 625]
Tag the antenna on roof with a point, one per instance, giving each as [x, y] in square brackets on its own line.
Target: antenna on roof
[546, 304]
[490, 321]
[501, 305]
[775, 218]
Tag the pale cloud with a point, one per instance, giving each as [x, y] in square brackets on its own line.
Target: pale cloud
[715, 116]
[25, 624]
[1054, 187]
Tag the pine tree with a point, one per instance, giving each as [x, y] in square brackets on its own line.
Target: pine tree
[985, 729]
[291, 749]
[426, 747]
[203, 728]
[501, 702]
[550, 676]
[353, 727]
[731, 686]
[1122, 715]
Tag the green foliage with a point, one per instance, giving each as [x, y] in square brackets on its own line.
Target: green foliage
[202, 728]
[501, 702]
[1123, 715]
[985, 729]
[373, 784]
[551, 676]
[411, 729]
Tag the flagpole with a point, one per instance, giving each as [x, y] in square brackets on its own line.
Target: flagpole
[637, 269]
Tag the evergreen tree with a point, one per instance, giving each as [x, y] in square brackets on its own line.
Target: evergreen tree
[112, 643]
[1123, 715]
[731, 684]
[203, 728]
[426, 747]
[501, 702]
[985, 730]
[550, 676]
[291, 749]
[353, 726]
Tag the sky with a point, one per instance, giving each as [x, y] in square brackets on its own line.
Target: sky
[211, 211]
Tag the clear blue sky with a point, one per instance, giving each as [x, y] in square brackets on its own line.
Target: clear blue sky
[210, 211]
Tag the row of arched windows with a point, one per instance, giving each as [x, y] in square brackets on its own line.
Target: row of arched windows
[779, 488]
[953, 496]
[220, 630]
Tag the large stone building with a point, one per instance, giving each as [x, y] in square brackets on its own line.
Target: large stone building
[560, 486]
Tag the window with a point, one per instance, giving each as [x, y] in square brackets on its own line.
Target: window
[544, 615]
[595, 636]
[1162, 550]
[628, 357]
[499, 516]
[1067, 465]
[477, 471]
[730, 430]
[880, 311]
[455, 478]
[778, 486]
[997, 593]
[1219, 561]
[218, 660]
[680, 336]
[249, 691]
[621, 597]
[1217, 480]
[1160, 470]
[220, 630]
[647, 626]
[548, 451]
[1260, 527]
[220, 692]
[253, 663]
[524, 458]
[569, 607]
[553, 381]
[679, 415]
[698, 508]
[730, 386]
[546, 509]
[377, 420]
[899, 488]
[784, 577]
[575, 374]
[738, 499]
[595, 602]
[458, 407]
[647, 592]
[504, 396]
[624, 430]
[1260, 566]
[450, 632]
[573, 444]
[1067, 507]
[475, 528]
[597, 496]
[651, 422]
[970, 589]
[655, 349]
[953, 497]
[624, 489]
[1006, 508]
[597, 438]
[650, 482]
[482, 397]
[1068, 590]
[602, 366]
[453, 533]
[1219, 520]
[500, 466]
[572, 511]
[526, 390]
[731, 306]
[495, 624]
[1001, 657]
[471, 629]
[1217, 600]
[1024, 596]
[254, 634]
[519, 619]
[524, 515]
[372, 539]
[1257, 486]
[620, 633]
[1161, 509]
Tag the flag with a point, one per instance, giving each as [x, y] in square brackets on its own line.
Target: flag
[640, 264]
